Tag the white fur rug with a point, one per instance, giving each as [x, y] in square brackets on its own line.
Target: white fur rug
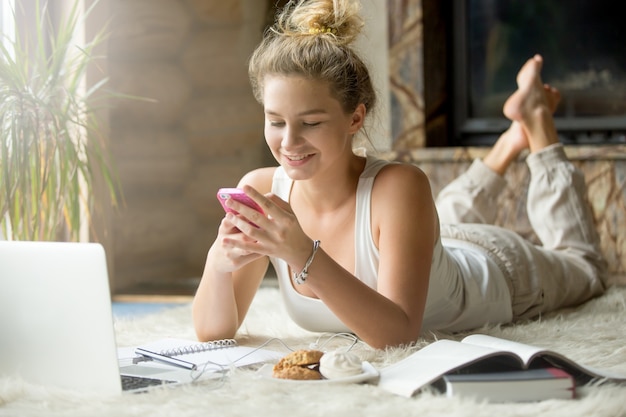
[593, 334]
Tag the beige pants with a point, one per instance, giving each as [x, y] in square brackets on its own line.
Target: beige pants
[568, 268]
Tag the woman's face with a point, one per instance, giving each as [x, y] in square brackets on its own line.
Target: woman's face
[306, 128]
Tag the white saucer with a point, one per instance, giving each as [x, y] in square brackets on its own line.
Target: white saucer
[369, 374]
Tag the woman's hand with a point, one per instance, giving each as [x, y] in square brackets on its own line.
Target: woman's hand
[276, 232]
[227, 254]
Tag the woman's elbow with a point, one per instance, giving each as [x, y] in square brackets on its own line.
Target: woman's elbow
[208, 330]
[205, 334]
[405, 336]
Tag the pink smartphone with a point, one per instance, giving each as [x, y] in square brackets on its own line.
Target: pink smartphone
[224, 194]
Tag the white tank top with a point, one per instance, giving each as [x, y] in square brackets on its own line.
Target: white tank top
[458, 295]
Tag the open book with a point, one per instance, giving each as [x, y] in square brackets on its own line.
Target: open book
[477, 353]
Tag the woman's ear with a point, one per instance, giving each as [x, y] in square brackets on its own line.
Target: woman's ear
[358, 118]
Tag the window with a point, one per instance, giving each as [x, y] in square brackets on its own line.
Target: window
[583, 49]
[7, 20]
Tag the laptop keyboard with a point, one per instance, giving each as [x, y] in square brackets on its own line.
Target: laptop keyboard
[130, 383]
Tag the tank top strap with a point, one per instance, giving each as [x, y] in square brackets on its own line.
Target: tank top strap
[281, 184]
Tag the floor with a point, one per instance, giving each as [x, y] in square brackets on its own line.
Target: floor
[143, 300]
[134, 305]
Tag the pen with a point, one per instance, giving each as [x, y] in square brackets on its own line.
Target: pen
[166, 359]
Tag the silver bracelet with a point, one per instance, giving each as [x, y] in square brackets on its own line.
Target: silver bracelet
[301, 277]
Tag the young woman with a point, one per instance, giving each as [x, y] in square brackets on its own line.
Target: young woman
[357, 242]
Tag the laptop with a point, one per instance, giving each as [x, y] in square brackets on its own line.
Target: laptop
[56, 321]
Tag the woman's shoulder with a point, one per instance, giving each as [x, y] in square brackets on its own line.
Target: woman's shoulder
[401, 185]
[395, 176]
[260, 178]
[402, 191]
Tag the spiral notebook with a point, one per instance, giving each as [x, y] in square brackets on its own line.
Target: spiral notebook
[218, 355]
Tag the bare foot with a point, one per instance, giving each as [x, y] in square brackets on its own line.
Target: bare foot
[553, 97]
[530, 91]
[532, 105]
[514, 140]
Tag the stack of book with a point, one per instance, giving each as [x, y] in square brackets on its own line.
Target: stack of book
[512, 386]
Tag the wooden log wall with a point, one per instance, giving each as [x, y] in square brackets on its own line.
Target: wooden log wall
[198, 129]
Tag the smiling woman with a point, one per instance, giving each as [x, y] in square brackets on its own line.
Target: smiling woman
[298, 108]
[356, 241]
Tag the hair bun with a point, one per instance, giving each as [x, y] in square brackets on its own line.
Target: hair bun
[338, 18]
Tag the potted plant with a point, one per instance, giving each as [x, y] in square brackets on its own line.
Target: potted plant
[51, 152]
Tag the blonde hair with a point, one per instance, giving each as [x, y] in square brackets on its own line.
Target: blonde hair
[312, 39]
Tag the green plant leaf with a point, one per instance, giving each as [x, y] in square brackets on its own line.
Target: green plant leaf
[51, 150]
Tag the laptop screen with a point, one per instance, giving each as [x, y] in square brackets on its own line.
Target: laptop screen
[55, 316]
